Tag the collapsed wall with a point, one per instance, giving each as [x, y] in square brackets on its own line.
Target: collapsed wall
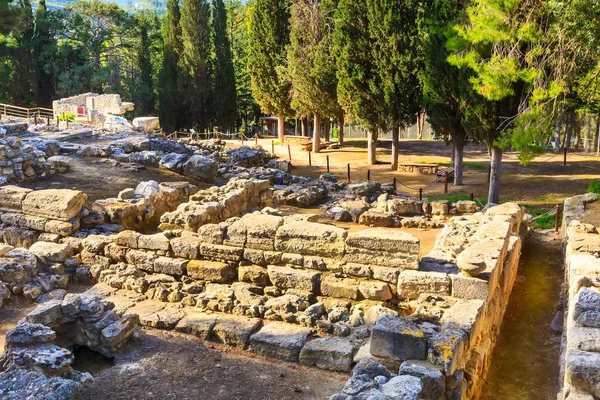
[580, 359]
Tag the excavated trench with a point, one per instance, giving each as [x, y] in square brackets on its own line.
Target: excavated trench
[525, 361]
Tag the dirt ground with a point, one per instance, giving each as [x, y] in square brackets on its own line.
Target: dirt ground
[543, 182]
[167, 365]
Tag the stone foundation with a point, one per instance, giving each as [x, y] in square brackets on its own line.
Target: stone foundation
[581, 333]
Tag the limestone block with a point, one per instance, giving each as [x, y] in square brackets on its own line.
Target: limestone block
[464, 314]
[220, 252]
[434, 382]
[404, 207]
[375, 290]
[291, 278]
[253, 274]
[386, 274]
[405, 387]
[49, 252]
[234, 330]
[310, 238]
[584, 338]
[157, 241]
[19, 237]
[385, 247]
[339, 287]
[330, 353]
[200, 167]
[248, 294]
[61, 228]
[143, 260]
[441, 207]
[31, 222]
[583, 370]
[198, 324]
[469, 288]
[117, 333]
[398, 338]
[412, 283]
[466, 207]
[481, 256]
[46, 313]
[115, 252]
[170, 266]
[212, 233]
[186, 246]
[60, 204]
[280, 340]
[128, 238]
[357, 270]
[212, 271]
[254, 231]
[447, 348]
[374, 312]
[11, 198]
[375, 218]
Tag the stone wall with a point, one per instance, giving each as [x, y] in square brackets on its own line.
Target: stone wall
[19, 161]
[456, 299]
[581, 333]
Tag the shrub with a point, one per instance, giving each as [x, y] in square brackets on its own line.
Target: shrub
[594, 187]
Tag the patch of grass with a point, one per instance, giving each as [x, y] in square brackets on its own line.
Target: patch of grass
[594, 187]
[276, 142]
[545, 222]
[476, 165]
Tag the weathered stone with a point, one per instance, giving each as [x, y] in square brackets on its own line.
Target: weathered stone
[434, 383]
[253, 274]
[386, 247]
[403, 387]
[170, 266]
[371, 368]
[375, 290]
[212, 271]
[60, 204]
[411, 284]
[49, 252]
[45, 314]
[255, 231]
[128, 238]
[583, 370]
[466, 206]
[480, 256]
[186, 246]
[398, 338]
[201, 168]
[166, 318]
[280, 340]
[143, 260]
[357, 384]
[11, 198]
[331, 353]
[468, 287]
[27, 333]
[309, 238]
[235, 331]
[288, 278]
[374, 312]
[339, 287]
[157, 241]
[117, 333]
[447, 348]
[197, 324]
[375, 218]
[221, 252]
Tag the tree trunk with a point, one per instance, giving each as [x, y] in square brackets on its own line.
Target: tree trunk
[459, 147]
[341, 130]
[372, 146]
[281, 128]
[304, 123]
[495, 163]
[326, 128]
[597, 138]
[420, 124]
[395, 147]
[453, 154]
[316, 144]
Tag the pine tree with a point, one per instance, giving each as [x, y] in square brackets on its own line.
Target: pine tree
[195, 62]
[224, 90]
[170, 111]
[269, 38]
[311, 64]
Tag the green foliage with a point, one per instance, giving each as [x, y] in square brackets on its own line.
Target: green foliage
[171, 113]
[224, 90]
[545, 222]
[195, 62]
[594, 187]
[377, 45]
[268, 41]
[67, 117]
[311, 64]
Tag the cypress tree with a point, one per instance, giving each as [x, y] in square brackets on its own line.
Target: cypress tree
[311, 64]
[195, 62]
[144, 93]
[24, 79]
[170, 110]
[224, 90]
[44, 47]
[269, 38]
